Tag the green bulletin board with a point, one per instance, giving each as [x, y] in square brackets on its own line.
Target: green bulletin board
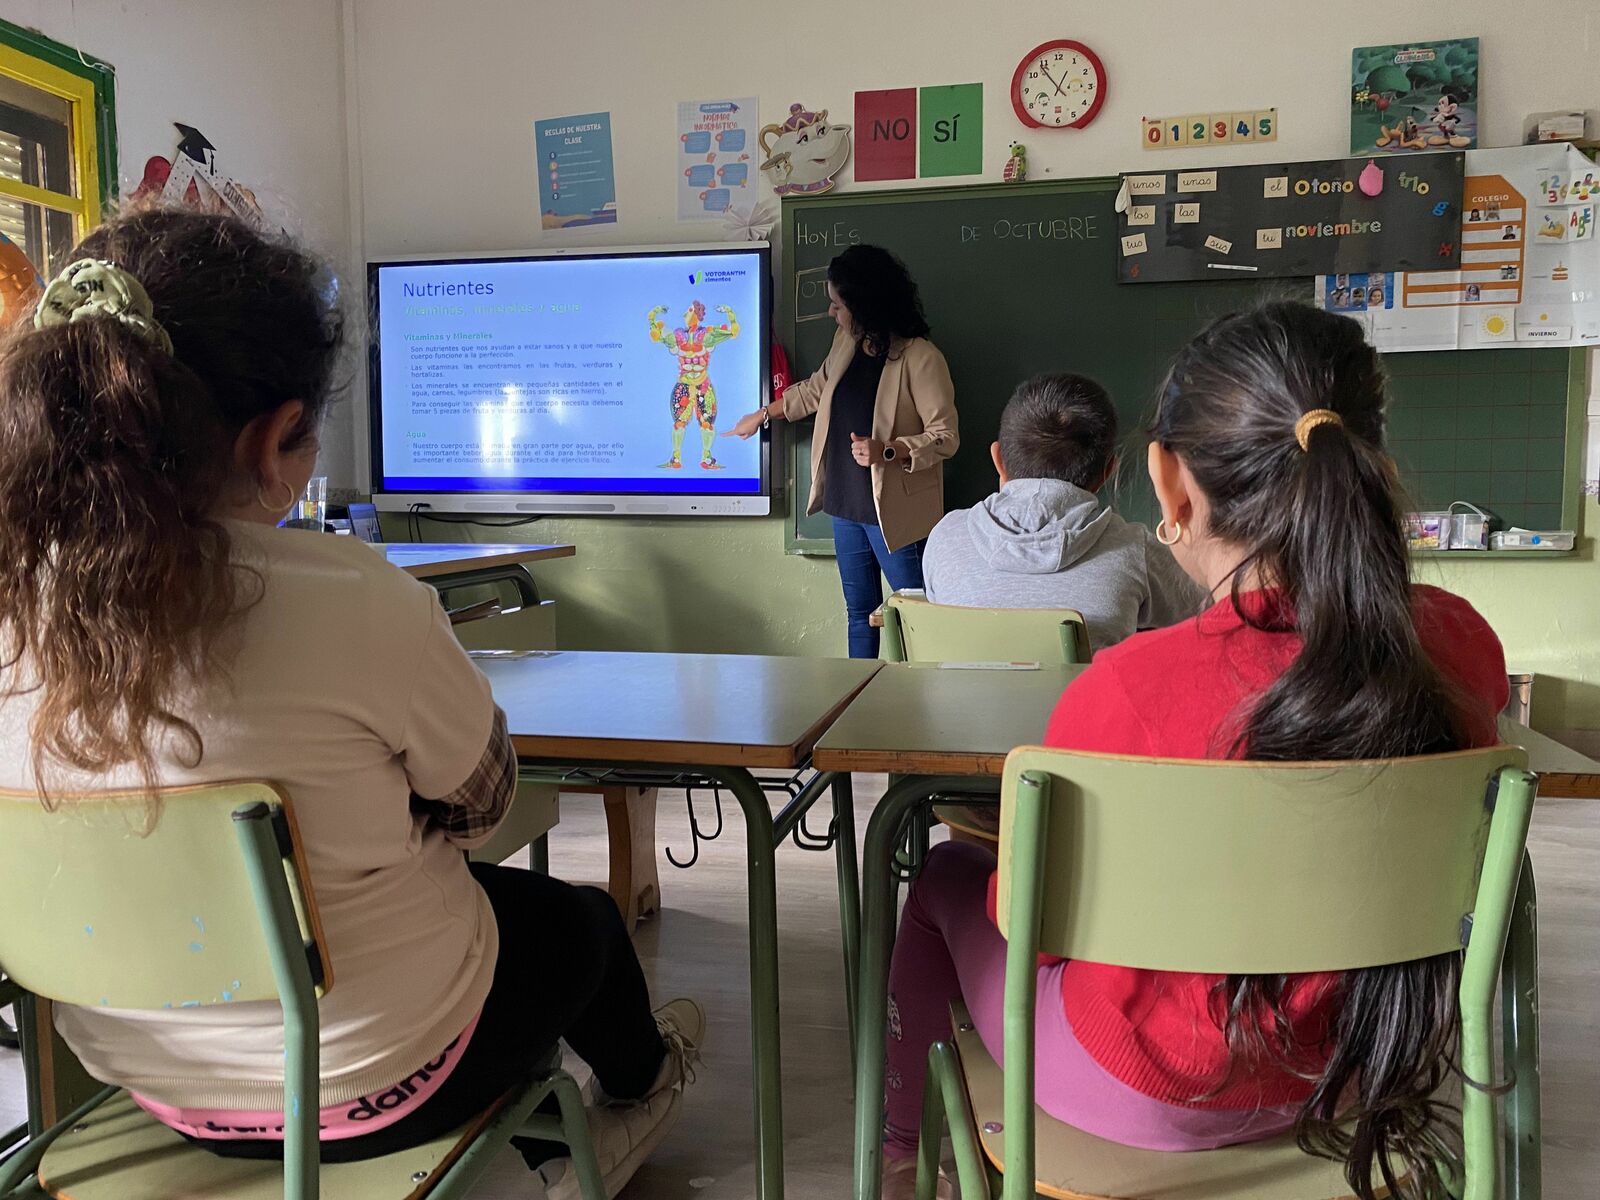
[1021, 278]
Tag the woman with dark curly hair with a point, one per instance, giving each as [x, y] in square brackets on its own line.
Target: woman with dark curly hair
[886, 421]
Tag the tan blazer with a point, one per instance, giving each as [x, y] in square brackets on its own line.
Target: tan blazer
[916, 406]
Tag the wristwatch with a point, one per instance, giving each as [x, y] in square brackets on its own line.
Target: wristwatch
[889, 452]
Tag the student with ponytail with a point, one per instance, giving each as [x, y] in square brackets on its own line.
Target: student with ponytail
[158, 418]
[1278, 497]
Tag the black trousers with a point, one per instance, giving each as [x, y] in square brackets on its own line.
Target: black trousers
[566, 970]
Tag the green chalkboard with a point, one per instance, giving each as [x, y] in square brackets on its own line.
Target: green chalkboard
[1022, 278]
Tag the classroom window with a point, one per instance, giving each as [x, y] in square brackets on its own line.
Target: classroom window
[57, 157]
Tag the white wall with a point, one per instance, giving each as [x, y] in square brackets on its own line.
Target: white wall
[447, 94]
[263, 81]
[447, 101]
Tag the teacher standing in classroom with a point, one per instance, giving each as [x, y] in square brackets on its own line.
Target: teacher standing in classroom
[886, 421]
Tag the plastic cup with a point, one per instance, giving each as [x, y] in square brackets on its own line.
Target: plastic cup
[313, 506]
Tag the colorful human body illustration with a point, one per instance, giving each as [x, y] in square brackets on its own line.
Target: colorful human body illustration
[691, 344]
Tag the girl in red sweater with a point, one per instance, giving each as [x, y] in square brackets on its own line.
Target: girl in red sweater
[1276, 493]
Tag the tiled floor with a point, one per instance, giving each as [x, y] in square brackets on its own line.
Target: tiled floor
[698, 947]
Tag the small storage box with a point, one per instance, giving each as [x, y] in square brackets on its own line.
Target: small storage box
[1428, 530]
[1532, 539]
[1468, 530]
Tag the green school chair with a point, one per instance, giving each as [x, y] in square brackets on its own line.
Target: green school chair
[1248, 868]
[917, 631]
[211, 906]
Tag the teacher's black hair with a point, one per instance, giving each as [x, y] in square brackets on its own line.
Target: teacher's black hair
[881, 296]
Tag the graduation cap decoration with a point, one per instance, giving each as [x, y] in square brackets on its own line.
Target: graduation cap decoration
[193, 144]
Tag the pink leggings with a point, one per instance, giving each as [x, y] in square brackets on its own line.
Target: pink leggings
[948, 948]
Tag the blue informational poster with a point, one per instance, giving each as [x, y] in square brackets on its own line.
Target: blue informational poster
[577, 181]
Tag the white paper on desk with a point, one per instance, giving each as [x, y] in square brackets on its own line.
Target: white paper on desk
[989, 666]
[512, 653]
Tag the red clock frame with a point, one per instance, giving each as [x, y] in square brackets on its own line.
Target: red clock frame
[1059, 44]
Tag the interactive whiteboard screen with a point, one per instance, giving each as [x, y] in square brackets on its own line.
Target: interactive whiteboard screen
[571, 382]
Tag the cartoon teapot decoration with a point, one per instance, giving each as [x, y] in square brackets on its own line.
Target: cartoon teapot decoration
[805, 152]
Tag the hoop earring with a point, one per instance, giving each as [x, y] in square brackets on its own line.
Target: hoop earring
[1161, 532]
[278, 508]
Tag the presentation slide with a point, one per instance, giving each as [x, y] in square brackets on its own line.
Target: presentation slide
[598, 375]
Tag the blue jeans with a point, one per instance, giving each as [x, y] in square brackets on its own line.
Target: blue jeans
[862, 555]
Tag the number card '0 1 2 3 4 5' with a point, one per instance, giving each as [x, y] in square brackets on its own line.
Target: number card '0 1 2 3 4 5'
[1209, 129]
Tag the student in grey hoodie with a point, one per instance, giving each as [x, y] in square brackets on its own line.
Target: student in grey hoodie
[1043, 540]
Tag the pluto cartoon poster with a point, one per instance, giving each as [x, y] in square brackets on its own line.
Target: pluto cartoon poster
[1412, 98]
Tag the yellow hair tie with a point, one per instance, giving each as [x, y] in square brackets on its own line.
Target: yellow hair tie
[1309, 421]
[92, 287]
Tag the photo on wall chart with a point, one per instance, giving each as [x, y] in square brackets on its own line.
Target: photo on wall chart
[1411, 98]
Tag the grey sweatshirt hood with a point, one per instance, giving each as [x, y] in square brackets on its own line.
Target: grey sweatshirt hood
[1037, 526]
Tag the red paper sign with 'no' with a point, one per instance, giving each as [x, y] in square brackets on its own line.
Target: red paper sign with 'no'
[886, 134]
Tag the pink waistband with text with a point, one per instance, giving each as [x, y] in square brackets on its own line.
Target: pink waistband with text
[364, 1115]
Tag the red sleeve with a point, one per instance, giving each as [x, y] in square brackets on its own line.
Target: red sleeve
[1095, 713]
[1468, 651]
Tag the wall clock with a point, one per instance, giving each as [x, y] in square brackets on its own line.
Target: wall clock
[1059, 85]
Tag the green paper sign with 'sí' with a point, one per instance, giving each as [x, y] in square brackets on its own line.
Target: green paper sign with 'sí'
[951, 125]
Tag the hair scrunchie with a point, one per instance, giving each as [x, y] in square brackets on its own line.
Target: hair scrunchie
[93, 287]
[1314, 419]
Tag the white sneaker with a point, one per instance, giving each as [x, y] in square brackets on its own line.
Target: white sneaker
[682, 1025]
[900, 1181]
[624, 1133]
[623, 1136]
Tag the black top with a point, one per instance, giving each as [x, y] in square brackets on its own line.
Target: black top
[846, 484]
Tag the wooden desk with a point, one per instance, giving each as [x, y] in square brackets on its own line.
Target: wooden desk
[930, 720]
[521, 620]
[722, 710]
[432, 560]
[1563, 772]
[671, 719]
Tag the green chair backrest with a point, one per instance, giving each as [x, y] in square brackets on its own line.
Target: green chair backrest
[1260, 868]
[100, 913]
[1254, 868]
[917, 631]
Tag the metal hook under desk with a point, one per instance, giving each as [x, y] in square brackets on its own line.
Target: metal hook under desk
[913, 845]
[696, 834]
[806, 840]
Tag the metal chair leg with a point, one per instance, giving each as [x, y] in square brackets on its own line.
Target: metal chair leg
[575, 1130]
[878, 895]
[1519, 1000]
[849, 893]
[946, 1087]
